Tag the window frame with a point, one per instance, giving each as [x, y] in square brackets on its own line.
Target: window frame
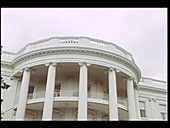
[142, 115]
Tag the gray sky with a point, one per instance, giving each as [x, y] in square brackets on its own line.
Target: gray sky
[140, 31]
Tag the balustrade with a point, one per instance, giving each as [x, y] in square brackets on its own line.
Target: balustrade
[95, 95]
[63, 93]
[35, 95]
[7, 56]
[66, 41]
[98, 44]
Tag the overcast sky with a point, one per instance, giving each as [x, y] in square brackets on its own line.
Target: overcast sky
[140, 31]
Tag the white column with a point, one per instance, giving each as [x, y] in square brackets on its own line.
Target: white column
[148, 108]
[49, 93]
[131, 99]
[137, 103]
[113, 109]
[155, 110]
[82, 103]
[23, 95]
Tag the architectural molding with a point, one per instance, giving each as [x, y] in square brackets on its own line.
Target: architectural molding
[25, 69]
[81, 63]
[50, 51]
[111, 69]
[149, 89]
[51, 63]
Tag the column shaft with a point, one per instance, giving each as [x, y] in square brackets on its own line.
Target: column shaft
[113, 110]
[148, 109]
[131, 100]
[49, 94]
[23, 95]
[82, 103]
[137, 104]
[155, 110]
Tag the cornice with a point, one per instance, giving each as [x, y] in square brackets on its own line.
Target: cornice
[6, 64]
[75, 50]
[73, 44]
[156, 80]
[152, 89]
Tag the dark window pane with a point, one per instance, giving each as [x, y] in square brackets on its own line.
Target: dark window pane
[163, 116]
[142, 113]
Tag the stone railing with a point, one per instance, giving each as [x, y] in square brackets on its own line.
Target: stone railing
[74, 93]
[70, 42]
[7, 56]
[98, 44]
[98, 95]
[36, 95]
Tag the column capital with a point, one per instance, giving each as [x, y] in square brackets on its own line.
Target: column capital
[15, 78]
[25, 69]
[130, 77]
[111, 69]
[81, 63]
[51, 63]
[12, 77]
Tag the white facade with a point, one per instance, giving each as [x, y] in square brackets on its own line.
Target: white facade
[78, 78]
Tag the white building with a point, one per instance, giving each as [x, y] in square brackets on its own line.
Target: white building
[78, 78]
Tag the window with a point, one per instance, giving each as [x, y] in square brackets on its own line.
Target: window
[163, 116]
[163, 111]
[31, 89]
[57, 87]
[142, 113]
[57, 90]
[30, 92]
[142, 109]
[162, 107]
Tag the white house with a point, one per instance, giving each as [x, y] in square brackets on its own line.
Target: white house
[78, 78]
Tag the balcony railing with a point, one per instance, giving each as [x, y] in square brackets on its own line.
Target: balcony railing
[68, 41]
[36, 95]
[74, 93]
[98, 95]
[66, 93]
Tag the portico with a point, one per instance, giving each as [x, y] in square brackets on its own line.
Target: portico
[88, 80]
[75, 78]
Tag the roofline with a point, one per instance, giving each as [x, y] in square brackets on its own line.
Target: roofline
[153, 79]
[65, 37]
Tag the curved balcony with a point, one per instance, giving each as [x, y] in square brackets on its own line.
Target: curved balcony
[73, 93]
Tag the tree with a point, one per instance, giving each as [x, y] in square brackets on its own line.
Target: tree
[4, 85]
